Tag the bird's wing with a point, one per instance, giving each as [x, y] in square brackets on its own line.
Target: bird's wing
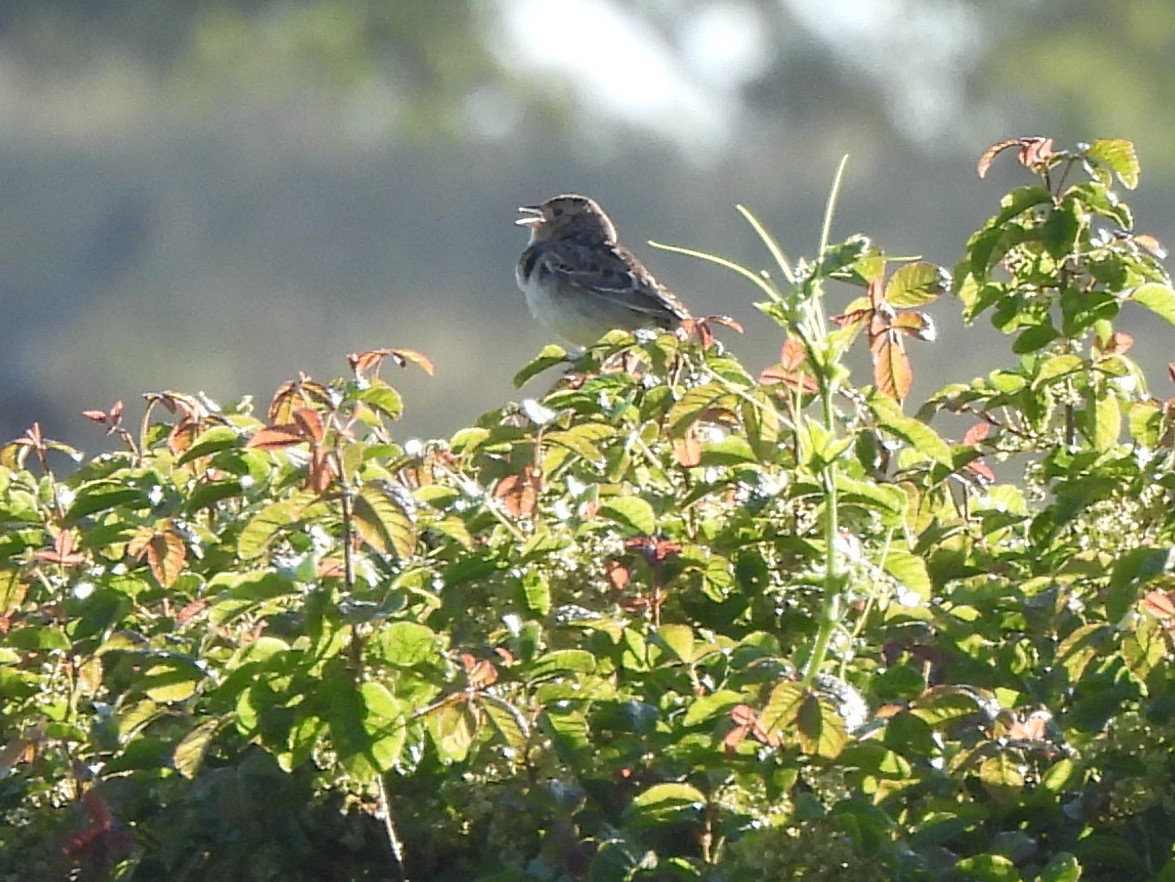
[613, 272]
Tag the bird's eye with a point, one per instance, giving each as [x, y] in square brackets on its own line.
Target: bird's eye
[556, 212]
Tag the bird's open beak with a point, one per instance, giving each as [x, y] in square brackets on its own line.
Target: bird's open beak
[534, 216]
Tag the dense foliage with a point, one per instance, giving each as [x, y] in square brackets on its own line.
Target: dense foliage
[674, 620]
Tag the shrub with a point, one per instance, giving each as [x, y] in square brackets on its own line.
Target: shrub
[675, 620]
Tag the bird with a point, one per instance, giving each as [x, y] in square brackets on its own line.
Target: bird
[580, 282]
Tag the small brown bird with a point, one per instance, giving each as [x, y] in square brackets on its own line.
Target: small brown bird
[580, 282]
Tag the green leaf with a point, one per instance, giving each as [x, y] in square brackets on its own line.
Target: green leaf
[403, 644]
[383, 519]
[630, 512]
[1158, 298]
[916, 284]
[1056, 367]
[213, 440]
[452, 727]
[910, 570]
[821, 729]
[382, 398]
[1002, 778]
[1035, 337]
[172, 679]
[507, 722]
[1104, 421]
[711, 705]
[537, 591]
[1120, 156]
[561, 662]
[678, 639]
[550, 356]
[582, 440]
[1062, 867]
[712, 396]
[263, 528]
[670, 795]
[1059, 230]
[988, 868]
[942, 705]
[783, 706]
[101, 496]
[913, 431]
[188, 755]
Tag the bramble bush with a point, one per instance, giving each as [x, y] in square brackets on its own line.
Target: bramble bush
[675, 620]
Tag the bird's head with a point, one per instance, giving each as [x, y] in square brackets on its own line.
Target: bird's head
[565, 215]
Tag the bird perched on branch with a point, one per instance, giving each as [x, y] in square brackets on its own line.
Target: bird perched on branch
[580, 281]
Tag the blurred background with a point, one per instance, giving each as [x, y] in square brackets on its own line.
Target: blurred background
[213, 195]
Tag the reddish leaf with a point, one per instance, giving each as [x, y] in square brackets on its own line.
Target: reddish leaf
[992, 152]
[1161, 605]
[478, 672]
[190, 611]
[792, 354]
[918, 325]
[310, 423]
[165, 553]
[617, 574]
[518, 494]
[277, 437]
[321, 470]
[1151, 244]
[656, 551]
[1033, 153]
[291, 395]
[688, 450]
[977, 433]
[62, 552]
[891, 368]
[1118, 343]
[856, 317]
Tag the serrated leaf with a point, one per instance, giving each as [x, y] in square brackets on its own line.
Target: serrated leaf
[1158, 298]
[916, 284]
[782, 706]
[507, 721]
[550, 356]
[820, 728]
[630, 512]
[383, 398]
[1002, 778]
[188, 755]
[696, 403]
[1120, 156]
[383, 521]
[265, 526]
